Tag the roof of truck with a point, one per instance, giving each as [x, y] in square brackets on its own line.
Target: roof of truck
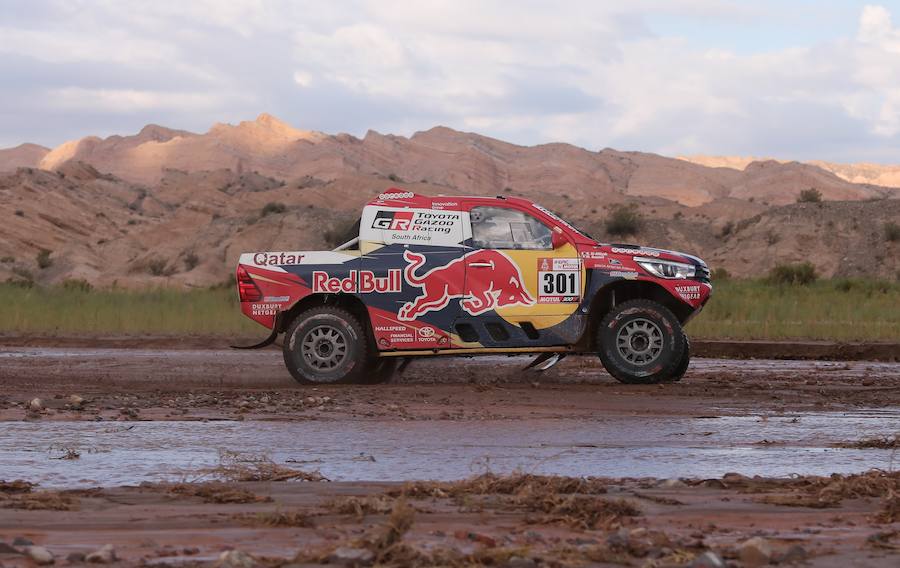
[397, 197]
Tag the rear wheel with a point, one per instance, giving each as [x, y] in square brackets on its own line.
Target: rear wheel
[326, 345]
[641, 342]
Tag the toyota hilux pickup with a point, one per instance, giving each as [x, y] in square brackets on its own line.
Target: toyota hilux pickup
[440, 276]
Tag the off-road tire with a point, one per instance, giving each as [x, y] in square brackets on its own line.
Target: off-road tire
[326, 345]
[640, 342]
[683, 365]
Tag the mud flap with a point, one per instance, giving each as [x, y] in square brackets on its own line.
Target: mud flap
[267, 341]
[404, 364]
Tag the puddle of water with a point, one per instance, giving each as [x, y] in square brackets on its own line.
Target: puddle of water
[113, 454]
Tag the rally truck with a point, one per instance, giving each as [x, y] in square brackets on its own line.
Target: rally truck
[436, 276]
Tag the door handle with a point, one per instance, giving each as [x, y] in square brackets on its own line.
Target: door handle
[481, 264]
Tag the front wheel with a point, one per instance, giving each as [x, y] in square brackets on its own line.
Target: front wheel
[641, 342]
[326, 345]
[683, 365]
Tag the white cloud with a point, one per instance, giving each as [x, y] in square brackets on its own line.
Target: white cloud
[587, 72]
[875, 24]
[129, 100]
[303, 78]
[116, 46]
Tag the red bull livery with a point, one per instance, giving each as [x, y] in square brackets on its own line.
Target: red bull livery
[431, 276]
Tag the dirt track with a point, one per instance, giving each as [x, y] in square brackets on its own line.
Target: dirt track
[717, 348]
[159, 416]
[197, 384]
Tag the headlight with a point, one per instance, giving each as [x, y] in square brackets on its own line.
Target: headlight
[666, 268]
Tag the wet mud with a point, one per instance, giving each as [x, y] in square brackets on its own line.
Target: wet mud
[128, 447]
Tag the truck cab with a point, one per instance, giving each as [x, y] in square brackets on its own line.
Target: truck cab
[433, 276]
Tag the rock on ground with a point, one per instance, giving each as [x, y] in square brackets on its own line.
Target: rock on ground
[235, 559]
[708, 559]
[347, 556]
[755, 551]
[105, 555]
[39, 555]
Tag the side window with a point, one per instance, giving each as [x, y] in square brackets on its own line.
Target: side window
[500, 228]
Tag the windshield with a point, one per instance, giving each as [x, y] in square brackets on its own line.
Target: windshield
[562, 221]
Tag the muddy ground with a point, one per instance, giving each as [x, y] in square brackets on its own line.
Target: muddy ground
[168, 436]
[718, 348]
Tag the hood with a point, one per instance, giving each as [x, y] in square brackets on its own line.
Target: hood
[625, 249]
[626, 252]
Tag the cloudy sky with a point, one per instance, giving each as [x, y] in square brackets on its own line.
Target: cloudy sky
[796, 79]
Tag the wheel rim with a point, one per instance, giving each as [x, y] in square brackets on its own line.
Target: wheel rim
[324, 348]
[640, 341]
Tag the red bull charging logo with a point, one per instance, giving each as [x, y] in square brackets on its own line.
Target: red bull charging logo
[493, 281]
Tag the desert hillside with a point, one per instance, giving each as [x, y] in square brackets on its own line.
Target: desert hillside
[172, 207]
[24, 155]
[863, 173]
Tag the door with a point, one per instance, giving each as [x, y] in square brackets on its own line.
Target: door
[515, 275]
[416, 255]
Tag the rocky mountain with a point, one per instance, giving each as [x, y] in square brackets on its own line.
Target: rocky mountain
[862, 173]
[467, 162]
[24, 155]
[170, 207]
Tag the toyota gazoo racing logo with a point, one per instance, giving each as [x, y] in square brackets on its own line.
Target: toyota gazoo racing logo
[418, 221]
[393, 220]
[499, 284]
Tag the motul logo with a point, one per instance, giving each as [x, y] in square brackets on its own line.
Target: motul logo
[363, 282]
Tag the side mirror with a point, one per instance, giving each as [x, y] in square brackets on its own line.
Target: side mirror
[557, 238]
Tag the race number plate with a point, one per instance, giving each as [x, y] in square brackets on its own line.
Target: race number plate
[559, 280]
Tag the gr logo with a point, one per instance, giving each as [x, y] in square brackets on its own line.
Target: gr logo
[393, 220]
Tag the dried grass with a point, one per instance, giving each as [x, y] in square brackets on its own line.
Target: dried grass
[362, 506]
[822, 492]
[657, 498]
[493, 484]
[878, 443]
[496, 556]
[797, 500]
[17, 486]
[398, 523]
[890, 509]
[883, 540]
[567, 500]
[873, 483]
[41, 501]
[237, 467]
[579, 512]
[282, 519]
[386, 542]
[214, 492]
